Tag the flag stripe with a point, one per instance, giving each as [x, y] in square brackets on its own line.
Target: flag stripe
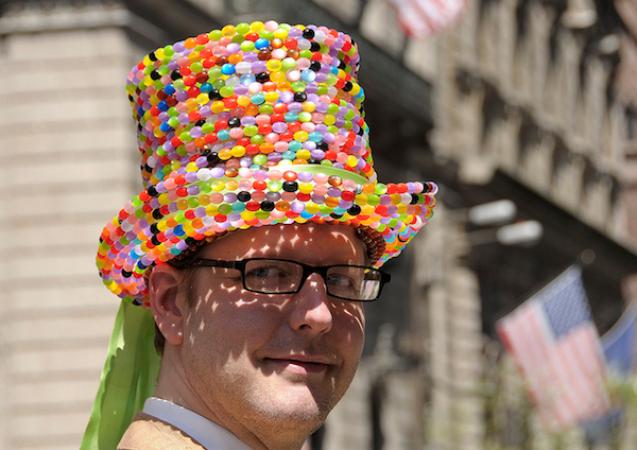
[421, 18]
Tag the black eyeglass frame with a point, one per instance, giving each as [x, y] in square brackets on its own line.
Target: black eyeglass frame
[307, 271]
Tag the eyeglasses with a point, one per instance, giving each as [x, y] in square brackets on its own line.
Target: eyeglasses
[284, 276]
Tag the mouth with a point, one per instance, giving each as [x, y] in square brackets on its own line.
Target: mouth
[298, 365]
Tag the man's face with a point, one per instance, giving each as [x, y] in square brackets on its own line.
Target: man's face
[271, 359]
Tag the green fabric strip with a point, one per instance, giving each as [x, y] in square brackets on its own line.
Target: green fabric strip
[128, 378]
[318, 168]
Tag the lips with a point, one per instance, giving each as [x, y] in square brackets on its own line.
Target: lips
[299, 364]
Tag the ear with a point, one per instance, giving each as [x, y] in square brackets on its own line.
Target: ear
[166, 302]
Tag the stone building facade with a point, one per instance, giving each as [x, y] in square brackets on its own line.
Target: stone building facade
[516, 102]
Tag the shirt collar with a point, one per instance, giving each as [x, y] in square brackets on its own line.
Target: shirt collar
[204, 431]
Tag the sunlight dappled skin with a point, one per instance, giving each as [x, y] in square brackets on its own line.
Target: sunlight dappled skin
[271, 360]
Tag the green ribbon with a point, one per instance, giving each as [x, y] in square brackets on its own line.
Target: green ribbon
[128, 378]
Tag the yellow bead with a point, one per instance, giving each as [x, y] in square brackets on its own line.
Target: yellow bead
[352, 161]
[257, 26]
[228, 30]
[311, 207]
[303, 154]
[309, 106]
[281, 34]
[243, 100]
[217, 107]
[272, 96]
[273, 65]
[367, 210]
[277, 77]
[218, 186]
[191, 167]
[247, 215]
[238, 151]
[211, 209]
[232, 185]
[301, 136]
[329, 119]
[306, 188]
[225, 154]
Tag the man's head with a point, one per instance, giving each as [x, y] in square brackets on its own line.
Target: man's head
[263, 360]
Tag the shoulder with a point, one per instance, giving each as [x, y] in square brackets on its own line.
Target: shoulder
[149, 433]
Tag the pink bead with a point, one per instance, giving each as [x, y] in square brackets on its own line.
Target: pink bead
[272, 138]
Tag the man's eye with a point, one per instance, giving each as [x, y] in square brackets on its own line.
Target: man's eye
[341, 280]
[267, 272]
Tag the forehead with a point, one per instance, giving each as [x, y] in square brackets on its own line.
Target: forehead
[311, 243]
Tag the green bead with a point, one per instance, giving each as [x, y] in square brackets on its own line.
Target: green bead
[193, 202]
[242, 28]
[214, 74]
[373, 199]
[262, 214]
[215, 35]
[168, 51]
[332, 108]
[250, 130]
[288, 64]
[305, 116]
[275, 185]
[205, 187]
[349, 115]
[265, 34]
[266, 108]
[225, 208]
[257, 139]
[381, 188]
[206, 127]
[298, 86]
[322, 89]
[196, 67]
[247, 46]
[260, 159]
[179, 217]
[226, 91]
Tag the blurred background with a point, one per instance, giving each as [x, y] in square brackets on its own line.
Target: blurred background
[524, 112]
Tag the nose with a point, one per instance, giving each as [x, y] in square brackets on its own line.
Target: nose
[311, 310]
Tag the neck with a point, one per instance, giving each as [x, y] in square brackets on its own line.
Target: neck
[173, 385]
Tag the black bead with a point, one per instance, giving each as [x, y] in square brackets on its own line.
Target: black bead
[322, 145]
[336, 216]
[315, 47]
[200, 122]
[190, 240]
[361, 131]
[152, 56]
[244, 196]
[290, 186]
[154, 229]
[175, 75]
[308, 33]
[315, 66]
[341, 65]
[234, 122]
[126, 273]
[263, 77]
[354, 210]
[157, 214]
[213, 158]
[348, 86]
[152, 191]
[300, 97]
[147, 168]
[155, 75]
[267, 205]
[215, 94]
[154, 240]
[130, 98]
[414, 199]
[313, 161]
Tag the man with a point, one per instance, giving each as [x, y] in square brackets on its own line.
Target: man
[259, 236]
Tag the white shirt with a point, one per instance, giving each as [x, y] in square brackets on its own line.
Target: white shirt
[204, 431]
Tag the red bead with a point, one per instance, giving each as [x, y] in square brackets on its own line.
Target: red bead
[189, 214]
[289, 175]
[252, 37]
[348, 196]
[221, 218]
[252, 206]
[259, 185]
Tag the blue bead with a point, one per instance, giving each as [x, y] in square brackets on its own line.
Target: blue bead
[306, 215]
[295, 146]
[163, 106]
[227, 69]
[179, 230]
[206, 88]
[257, 99]
[165, 127]
[169, 90]
[261, 43]
[291, 117]
[223, 135]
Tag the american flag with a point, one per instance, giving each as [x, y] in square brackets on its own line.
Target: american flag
[421, 18]
[555, 344]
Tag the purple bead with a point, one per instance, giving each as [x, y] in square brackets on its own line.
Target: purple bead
[317, 154]
[279, 127]
[191, 177]
[275, 157]
[246, 161]
[329, 138]
[321, 107]
[273, 196]
[230, 197]
[297, 207]
[248, 120]
[295, 107]
[233, 217]
[258, 66]
[205, 111]
[178, 47]
[195, 132]
[233, 48]
[318, 199]
[333, 192]
[200, 212]
[305, 176]
[286, 97]
[217, 172]
[309, 145]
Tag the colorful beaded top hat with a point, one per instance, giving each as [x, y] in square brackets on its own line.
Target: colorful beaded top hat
[252, 125]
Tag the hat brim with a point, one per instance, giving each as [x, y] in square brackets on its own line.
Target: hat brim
[155, 227]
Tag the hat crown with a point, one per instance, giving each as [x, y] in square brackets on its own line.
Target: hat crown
[251, 96]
